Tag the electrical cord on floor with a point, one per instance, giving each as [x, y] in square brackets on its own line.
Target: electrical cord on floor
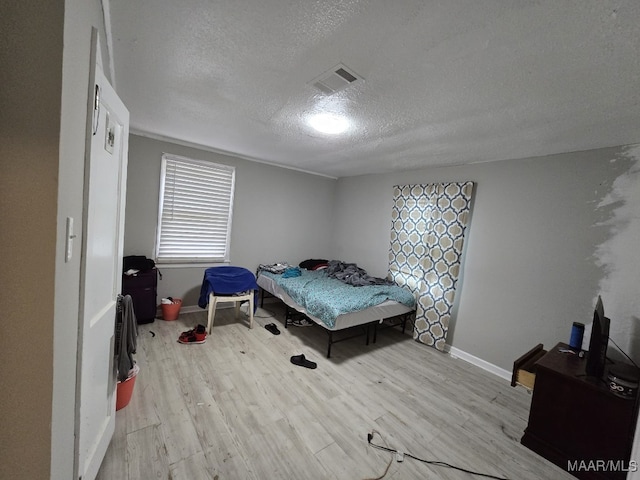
[400, 457]
[386, 470]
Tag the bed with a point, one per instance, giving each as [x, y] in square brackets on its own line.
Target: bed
[337, 306]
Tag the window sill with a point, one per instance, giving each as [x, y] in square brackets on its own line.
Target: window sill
[190, 265]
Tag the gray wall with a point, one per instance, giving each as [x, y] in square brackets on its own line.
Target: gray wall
[546, 236]
[278, 214]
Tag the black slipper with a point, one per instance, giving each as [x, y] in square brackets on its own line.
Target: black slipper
[303, 362]
[272, 328]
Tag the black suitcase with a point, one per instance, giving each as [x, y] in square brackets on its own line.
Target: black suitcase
[142, 287]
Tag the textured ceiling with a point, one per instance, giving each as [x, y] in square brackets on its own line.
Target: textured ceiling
[445, 82]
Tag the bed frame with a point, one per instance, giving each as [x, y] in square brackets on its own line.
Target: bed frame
[367, 322]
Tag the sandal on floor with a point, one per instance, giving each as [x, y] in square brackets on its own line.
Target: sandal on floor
[272, 328]
[303, 362]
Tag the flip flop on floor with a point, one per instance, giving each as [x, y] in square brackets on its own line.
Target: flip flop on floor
[302, 361]
[272, 328]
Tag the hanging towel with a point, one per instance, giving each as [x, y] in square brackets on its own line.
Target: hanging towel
[126, 336]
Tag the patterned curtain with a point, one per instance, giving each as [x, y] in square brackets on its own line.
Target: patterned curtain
[427, 235]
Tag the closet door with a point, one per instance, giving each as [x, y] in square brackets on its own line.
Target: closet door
[101, 270]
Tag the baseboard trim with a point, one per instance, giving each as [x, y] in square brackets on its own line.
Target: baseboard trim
[194, 308]
[478, 362]
[183, 309]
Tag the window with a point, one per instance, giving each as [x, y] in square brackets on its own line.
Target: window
[194, 219]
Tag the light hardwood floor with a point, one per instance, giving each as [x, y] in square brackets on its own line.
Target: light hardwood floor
[236, 408]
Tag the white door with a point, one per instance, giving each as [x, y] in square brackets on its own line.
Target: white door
[101, 275]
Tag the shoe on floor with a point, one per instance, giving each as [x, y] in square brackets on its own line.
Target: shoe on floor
[301, 322]
[195, 335]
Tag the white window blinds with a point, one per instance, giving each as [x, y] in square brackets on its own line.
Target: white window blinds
[194, 220]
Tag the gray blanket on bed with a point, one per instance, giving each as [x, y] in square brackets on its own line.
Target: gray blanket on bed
[351, 274]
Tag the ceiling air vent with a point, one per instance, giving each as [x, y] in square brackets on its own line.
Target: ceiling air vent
[336, 79]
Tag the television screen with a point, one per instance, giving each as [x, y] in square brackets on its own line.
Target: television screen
[599, 307]
[597, 355]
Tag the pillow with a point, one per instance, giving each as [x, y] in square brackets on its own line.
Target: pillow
[313, 264]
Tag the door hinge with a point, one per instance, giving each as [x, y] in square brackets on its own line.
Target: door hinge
[96, 108]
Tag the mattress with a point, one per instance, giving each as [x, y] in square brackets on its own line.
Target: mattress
[386, 309]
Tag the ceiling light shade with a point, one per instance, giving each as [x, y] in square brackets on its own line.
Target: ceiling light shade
[329, 123]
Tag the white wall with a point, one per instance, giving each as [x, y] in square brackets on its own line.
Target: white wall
[546, 236]
[619, 257]
[278, 214]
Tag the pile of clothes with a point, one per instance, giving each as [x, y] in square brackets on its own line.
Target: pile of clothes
[348, 273]
[351, 274]
[292, 272]
[272, 267]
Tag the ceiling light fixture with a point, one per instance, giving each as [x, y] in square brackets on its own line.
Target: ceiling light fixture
[329, 123]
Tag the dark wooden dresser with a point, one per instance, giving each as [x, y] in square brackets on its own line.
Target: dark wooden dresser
[575, 421]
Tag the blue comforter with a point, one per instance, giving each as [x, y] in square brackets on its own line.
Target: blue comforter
[326, 298]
